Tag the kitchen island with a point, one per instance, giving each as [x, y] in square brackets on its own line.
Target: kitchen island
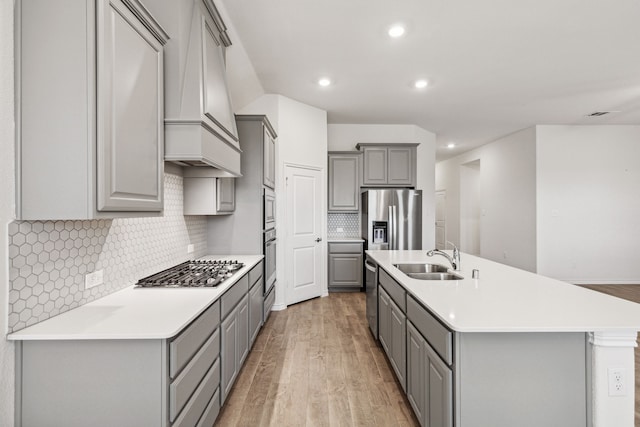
[509, 348]
[140, 356]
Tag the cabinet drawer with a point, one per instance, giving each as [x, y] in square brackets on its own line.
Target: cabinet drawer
[212, 411]
[184, 346]
[438, 337]
[201, 397]
[345, 248]
[268, 302]
[192, 374]
[394, 289]
[255, 274]
[231, 298]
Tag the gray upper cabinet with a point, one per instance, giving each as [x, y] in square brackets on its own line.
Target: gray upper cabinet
[269, 153]
[90, 125]
[344, 181]
[208, 193]
[200, 125]
[390, 165]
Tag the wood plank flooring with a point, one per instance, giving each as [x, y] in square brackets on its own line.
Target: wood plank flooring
[631, 293]
[317, 364]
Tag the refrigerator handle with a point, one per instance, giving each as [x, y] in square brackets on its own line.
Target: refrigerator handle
[395, 227]
[390, 229]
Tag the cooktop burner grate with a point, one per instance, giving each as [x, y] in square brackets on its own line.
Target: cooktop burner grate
[200, 273]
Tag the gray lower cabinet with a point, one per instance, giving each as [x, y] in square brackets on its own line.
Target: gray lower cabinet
[392, 334]
[390, 165]
[429, 382]
[344, 181]
[256, 300]
[84, 121]
[345, 265]
[234, 333]
[152, 383]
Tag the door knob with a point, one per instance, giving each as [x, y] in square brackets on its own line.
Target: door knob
[318, 239]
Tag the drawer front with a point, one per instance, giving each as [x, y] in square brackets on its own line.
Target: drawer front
[345, 248]
[255, 274]
[439, 337]
[233, 296]
[212, 411]
[194, 409]
[184, 346]
[268, 302]
[394, 289]
[191, 375]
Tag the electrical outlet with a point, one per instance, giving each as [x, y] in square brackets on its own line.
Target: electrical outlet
[190, 249]
[617, 381]
[94, 279]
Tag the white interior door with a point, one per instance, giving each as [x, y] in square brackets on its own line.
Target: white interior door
[304, 246]
[441, 205]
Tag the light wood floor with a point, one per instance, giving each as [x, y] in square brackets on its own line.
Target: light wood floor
[631, 293]
[316, 364]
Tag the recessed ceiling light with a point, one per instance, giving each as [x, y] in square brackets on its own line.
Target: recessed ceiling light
[324, 82]
[420, 84]
[451, 145]
[396, 31]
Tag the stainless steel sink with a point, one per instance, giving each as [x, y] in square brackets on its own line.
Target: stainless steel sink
[435, 276]
[421, 268]
[427, 271]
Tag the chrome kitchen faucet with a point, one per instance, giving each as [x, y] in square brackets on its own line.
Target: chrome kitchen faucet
[455, 260]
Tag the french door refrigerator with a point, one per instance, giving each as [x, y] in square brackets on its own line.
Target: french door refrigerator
[391, 219]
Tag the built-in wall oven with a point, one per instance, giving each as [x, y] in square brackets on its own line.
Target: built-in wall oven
[269, 209]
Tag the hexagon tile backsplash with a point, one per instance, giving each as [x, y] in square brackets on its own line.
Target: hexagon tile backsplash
[49, 259]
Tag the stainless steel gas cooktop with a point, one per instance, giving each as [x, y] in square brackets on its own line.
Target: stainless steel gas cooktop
[201, 273]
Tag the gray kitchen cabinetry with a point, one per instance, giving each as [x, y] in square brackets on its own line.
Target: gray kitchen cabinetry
[90, 137]
[388, 165]
[200, 126]
[393, 324]
[344, 181]
[345, 265]
[256, 300]
[269, 153]
[234, 333]
[150, 382]
[207, 193]
[429, 382]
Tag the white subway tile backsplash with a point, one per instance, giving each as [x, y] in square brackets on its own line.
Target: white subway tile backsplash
[49, 259]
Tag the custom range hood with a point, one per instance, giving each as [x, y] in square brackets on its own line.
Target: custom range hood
[200, 127]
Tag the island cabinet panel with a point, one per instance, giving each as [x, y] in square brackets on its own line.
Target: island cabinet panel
[547, 371]
[90, 127]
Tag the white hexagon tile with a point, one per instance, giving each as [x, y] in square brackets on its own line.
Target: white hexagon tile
[349, 222]
[49, 259]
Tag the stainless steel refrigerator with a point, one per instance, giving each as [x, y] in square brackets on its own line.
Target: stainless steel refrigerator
[391, 219]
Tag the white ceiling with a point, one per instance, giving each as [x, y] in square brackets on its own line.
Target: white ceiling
[493, 66]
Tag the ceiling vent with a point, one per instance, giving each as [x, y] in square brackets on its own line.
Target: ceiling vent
[600, 113]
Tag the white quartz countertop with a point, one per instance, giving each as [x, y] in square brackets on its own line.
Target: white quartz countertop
[345, 240]
[507, 299]
[135, 313]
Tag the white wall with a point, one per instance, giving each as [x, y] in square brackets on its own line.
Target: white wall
[588, 215]
[302, 140]
[6, 206]
[507, 198]
[344, 137]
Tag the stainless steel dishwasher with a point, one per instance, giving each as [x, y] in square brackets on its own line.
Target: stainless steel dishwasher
[371, 283]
